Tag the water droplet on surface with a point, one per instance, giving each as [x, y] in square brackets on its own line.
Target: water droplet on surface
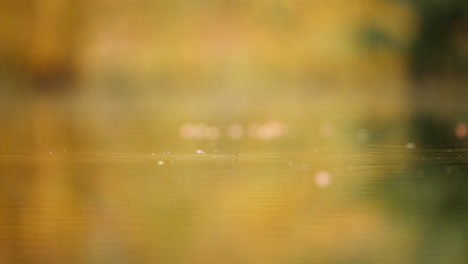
[199, 151]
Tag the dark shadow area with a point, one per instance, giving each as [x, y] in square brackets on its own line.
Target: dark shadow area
[432, 196]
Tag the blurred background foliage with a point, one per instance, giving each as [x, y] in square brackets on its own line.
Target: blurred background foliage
[374, 46]
[216, 44]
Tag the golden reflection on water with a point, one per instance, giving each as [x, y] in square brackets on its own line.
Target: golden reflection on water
[108, 184]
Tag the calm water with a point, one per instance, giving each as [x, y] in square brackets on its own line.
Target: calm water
[186, 182]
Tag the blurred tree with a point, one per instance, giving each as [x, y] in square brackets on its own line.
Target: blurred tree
[441, 46]
[39, 41]
[438, 68]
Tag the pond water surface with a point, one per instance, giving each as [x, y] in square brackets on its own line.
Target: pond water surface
[190, 183]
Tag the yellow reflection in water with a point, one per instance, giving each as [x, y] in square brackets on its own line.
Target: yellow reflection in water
[119, 183]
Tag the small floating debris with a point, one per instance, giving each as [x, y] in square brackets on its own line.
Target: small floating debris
[166, 152]
[199, 151]
[160, 162]
[410, 145]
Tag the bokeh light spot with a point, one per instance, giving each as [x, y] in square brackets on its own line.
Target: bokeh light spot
[461, 130]
[322, 179]
[235, 131]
